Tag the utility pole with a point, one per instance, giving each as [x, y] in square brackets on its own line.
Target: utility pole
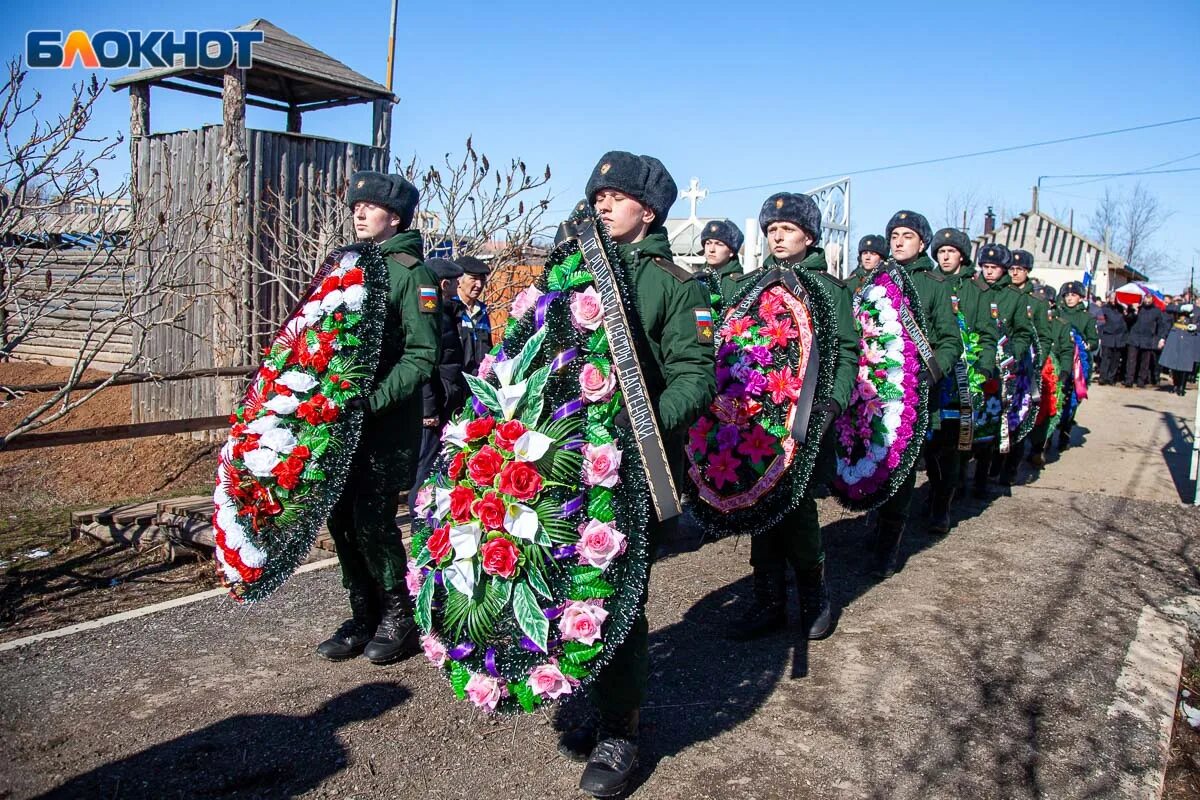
[391, 45]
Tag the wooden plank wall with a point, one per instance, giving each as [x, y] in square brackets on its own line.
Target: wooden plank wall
[92, 303]
[292, 181]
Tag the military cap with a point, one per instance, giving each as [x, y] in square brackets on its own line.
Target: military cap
[996, 254]
[1022, 258]
[873, 243]
[1046, 293]
[951, 237]
[644, 178]
[392, 192]
[443, 268]
[798, 209]
[473, 266]
[725, 232]
[914, 222]
[1071, 287]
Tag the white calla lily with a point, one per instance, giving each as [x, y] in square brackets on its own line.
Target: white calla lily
[504, 371]
[510, 398]
[456, 434]
[521, 521]
[531, 446]
[465, 540]
[441, 499]
[461, 575]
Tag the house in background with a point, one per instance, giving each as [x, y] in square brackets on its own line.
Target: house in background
[1060, 253]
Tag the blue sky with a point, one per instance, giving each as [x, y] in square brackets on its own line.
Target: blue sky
[742, 94]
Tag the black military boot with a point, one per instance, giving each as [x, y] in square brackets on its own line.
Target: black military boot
[352, 635]
[614, 757]
[397, 634]
[1064, 440]
[768, 613]
[939, 512]
[982, 471]
[816, 612]
[887, 547]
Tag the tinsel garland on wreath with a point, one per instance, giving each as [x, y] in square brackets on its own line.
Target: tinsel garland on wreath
[1085, 365]
[1028, 384]
[912, 450]
[499, 672]
[769, 510]
[276, 521]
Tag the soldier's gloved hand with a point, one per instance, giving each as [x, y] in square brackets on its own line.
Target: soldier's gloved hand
[358, 403]
[832, 410]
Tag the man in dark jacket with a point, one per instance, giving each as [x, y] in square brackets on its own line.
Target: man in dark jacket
[1113, 327]
[474, 325]
[1146, 337]
[444, 394]
[363, 521]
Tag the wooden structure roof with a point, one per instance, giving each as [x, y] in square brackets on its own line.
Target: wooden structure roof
[287, 74]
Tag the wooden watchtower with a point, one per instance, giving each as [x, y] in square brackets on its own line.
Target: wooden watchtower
[233, 202]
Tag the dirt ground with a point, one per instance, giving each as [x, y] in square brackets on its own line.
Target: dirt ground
[48, 581]
[1183, 772]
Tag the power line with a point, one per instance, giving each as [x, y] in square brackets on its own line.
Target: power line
[1142, 170]
[944, 159]
[1122, 174]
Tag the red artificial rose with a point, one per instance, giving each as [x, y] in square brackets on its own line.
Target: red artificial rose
[490, 510]
[353, 276]
[439, 543]
[991, 386]
[500, 558]
[484, 465]
[300, 451]
[479, 428]
[461, 500]
[329, 412]
[508, 433]
[520, 480]
[328, 285]
[287, 473]
[458, 466]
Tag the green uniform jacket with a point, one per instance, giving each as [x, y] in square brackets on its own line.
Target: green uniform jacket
[1036, 310]
[681, 375]
[969, 288]
[727, 280]
[1062, 342]
[858, 279]
[411, 335]
[843, 310]
[1011, 316]
[1079, 319]
[941, 326]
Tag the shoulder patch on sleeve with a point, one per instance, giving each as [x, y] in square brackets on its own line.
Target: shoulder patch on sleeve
[674, 270]
[835, 280]
[704, 324]
[428, 299]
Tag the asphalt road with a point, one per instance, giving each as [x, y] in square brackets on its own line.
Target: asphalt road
[984, 669]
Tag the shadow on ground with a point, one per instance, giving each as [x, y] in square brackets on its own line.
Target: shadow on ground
[250, 755]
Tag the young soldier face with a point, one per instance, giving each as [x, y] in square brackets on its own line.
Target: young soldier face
[628, 220]
[717, 254]
[870, 260]
[788, 240]
[905, 244]
[1018, 274]
[991, 272]
[374, 223]
[949, 259]
[470, 287]
[1072, 299]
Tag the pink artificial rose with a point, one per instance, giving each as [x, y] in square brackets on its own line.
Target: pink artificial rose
[587, 312]
[435, 651]
[601, 465]
[413, 578]
[424, 498]
[547, 680]
[599, 543]
[485, 365]
[580, 622]
[596, 386]
[484, 691]
[525, 300]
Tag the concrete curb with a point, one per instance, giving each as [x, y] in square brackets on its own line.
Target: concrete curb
[140, 612]
[1148, 686]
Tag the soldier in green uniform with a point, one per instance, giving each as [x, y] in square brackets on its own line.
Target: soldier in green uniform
[632, 195]
[944, 458]
[872, 251]
[1073, 311]
[363, 521]
[792, 226]
[721, 242]
[1008, 313]
[1059, 342]
[1036, 311]
[909, 236]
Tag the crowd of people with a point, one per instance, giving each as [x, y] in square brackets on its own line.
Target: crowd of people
[985, 305]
